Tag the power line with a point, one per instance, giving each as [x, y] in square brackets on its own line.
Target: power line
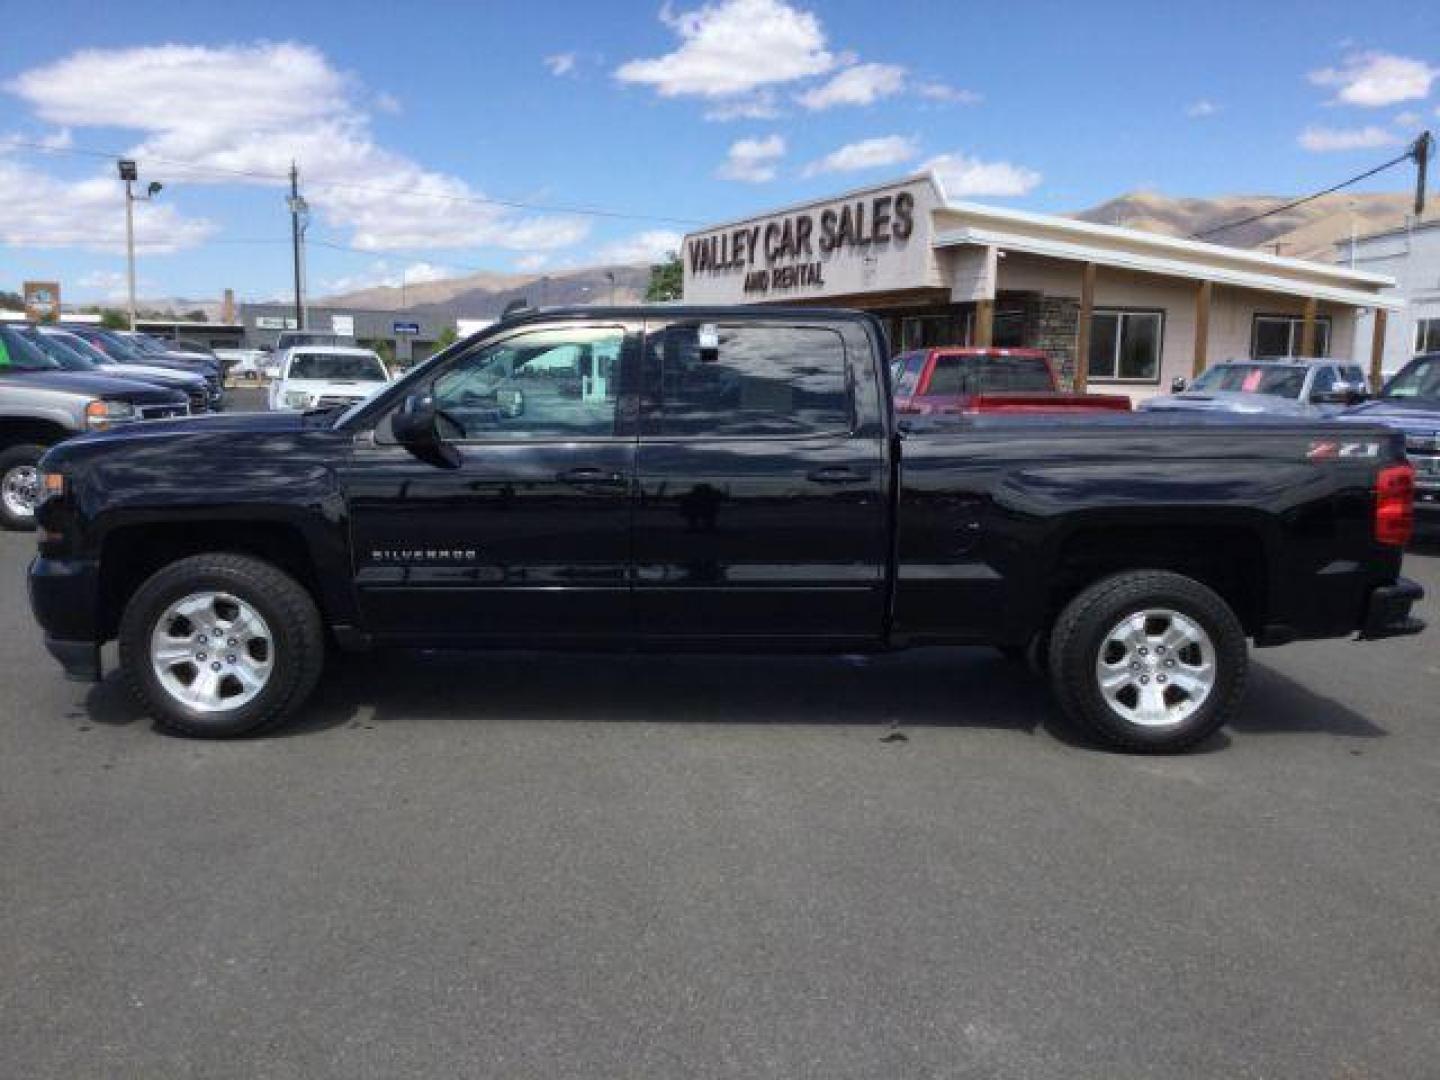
[1301, 202]
[340, 185]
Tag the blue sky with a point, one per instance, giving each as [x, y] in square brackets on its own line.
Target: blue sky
[404, 117]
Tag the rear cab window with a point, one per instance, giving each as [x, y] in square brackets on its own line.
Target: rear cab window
[956, 376]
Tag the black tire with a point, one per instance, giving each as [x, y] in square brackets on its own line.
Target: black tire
[289, 612]
[1082, 630]
[22, 456]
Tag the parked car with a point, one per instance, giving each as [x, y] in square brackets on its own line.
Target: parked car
[122, 351]
[243, 363]
[738, 482]
[327, 376]
[41, 404]
[73, 354]
[1410, 403]
[981, 380]
[1280, 387]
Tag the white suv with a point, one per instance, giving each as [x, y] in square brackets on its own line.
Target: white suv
[326, 377]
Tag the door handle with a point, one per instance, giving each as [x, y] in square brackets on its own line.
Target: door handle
[590, 475]
[838, 474]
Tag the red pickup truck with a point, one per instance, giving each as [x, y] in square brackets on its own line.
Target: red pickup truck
[989, 380]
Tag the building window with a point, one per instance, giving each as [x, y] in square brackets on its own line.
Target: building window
[1281, 335]
[1125, 345]
[1427, 336]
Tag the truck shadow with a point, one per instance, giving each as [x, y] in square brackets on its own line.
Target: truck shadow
[923, 688]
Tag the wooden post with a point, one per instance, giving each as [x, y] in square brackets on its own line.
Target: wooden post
[1202, 329]
[1082, 329]
[984, 323]
[1377, 349]
[1307, 328]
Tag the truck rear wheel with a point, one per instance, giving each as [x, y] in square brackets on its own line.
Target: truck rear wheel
[1148, 661]
[19, 486]
[221, 645]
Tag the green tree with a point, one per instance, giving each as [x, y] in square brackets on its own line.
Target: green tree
[114, 319]
[10, 301]
[447, 337]
[667, 279]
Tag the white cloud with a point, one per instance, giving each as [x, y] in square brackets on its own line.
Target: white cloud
[646, 247]
[1373, 79]
[753, 160]
[760, 105]
[533, 261]
[422, 272]
[244, 112]
[39, 210]
[1198, 109]
[732, 47]
[560, 63]
[862, 84]
[388, 103]
[1408, 119]
[939, 91]
[865, 154]
[964, 176]
[1324, 139]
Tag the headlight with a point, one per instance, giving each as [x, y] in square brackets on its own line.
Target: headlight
[100, 415]
[297, 399]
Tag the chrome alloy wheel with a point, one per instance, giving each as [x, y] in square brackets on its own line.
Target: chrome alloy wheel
[1156, 667]
[212, 652]
[20, 489]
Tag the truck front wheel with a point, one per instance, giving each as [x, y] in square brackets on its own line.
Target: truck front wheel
[1149, 661]
[19, 486]
[221, 645]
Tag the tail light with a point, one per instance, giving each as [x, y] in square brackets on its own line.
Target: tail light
[1395, 505]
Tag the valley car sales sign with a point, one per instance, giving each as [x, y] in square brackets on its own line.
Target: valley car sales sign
[872, 240]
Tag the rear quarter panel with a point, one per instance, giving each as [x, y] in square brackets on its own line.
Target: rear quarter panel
[989, 513]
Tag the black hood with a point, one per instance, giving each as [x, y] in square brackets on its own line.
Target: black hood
[135, 391]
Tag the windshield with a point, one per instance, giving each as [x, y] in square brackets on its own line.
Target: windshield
[955, 375]
[333, 366]
[1419, 379]
[1273, 380]
[58, 351]
[78, 345]
[17, 354]
[115, 348]
[294, 339]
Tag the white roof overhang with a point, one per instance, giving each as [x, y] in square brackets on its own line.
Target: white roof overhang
[1103, 255]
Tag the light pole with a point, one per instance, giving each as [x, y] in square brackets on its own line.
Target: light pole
[129, 173]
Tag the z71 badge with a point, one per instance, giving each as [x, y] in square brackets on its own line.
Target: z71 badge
[1329, 449]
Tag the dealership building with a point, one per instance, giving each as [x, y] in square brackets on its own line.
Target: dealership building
[406, 336]
[1113, 307]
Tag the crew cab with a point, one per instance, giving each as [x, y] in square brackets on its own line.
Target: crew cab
[687, 478]
[984, 380]
[1410, 403]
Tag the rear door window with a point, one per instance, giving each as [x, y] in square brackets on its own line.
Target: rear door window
[744, 381]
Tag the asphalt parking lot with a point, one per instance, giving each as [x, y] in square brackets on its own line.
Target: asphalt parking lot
[529, 866]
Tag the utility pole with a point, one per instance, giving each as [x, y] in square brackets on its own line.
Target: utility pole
[1420, 151]
[298, 210]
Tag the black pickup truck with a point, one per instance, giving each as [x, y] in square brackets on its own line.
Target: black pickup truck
[672, 478]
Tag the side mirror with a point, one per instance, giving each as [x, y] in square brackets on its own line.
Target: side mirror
[1178, 384]
[416, 426]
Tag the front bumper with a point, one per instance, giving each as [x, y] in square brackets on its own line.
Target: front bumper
[65, 598]
[1387, 614]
